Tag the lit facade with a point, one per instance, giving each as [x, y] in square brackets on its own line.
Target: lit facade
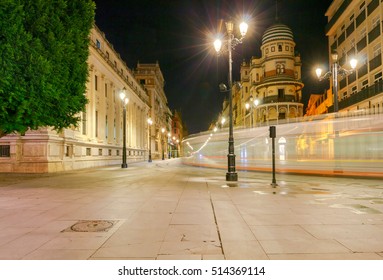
[319, 103]
[97, 141]
[354, 30]
[270, 85]
[151, 78]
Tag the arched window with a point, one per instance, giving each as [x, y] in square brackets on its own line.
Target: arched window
[280, 68]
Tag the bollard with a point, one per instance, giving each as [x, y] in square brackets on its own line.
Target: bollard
[273, 134]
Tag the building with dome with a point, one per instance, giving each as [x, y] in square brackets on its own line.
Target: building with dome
[271, 85]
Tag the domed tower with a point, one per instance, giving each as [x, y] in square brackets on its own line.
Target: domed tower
[275, 78]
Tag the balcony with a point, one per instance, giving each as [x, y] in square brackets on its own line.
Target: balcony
[273, 76]
[276, 99]
[362, 95]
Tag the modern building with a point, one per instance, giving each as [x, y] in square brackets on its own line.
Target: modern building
[354, 30]
[151, 79]
[98, 139]
[271, 86]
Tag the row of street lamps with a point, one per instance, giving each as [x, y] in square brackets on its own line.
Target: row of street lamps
[124, 102]
[230, 43]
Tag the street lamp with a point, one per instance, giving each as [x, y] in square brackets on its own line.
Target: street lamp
[162, 143]
[336, 70]
[150, 122]
[253, 103]
[232, 42]
[124, 101]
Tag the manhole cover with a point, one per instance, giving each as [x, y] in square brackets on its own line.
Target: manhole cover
[91, 226]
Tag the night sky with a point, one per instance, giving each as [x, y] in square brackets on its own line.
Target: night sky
[179, 35]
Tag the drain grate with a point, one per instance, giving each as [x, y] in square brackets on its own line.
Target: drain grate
[91, 226]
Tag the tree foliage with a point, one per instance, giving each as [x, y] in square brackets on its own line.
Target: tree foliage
[44, 47]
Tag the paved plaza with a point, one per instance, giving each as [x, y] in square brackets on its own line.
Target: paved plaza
[166, 211]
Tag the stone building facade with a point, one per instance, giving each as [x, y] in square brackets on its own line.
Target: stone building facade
[150, 76]
[97, 141]
[270, 86]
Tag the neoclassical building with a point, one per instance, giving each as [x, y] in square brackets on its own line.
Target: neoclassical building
[97, 140]
[271, 85]
[150, 76]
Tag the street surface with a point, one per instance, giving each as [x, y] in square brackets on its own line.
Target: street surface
[166, 211]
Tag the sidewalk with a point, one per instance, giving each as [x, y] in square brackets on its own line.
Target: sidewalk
[165, 211]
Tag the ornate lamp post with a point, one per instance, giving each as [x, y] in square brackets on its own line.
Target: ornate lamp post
[124, 101]
[336, 70]
[232, 42]
[150, 122]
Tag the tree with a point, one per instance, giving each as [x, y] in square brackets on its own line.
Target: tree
[44, 47]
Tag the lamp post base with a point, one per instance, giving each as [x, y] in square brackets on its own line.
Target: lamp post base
[231, 176]
[124, 165]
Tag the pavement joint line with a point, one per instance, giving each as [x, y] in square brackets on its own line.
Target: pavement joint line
[216, 222]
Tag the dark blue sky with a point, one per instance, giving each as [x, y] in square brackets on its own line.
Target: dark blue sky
[179, 34]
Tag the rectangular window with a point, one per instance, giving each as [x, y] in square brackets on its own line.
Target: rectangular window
[95, 82]
[98, 44]
[68, 151]
[5, 151]
[378, 77]
[361, 7]
[100, 152]
[364, 84]
[375, 21]
[377, 50]
[281, 93]
[353, 90]
[106, 90]
[88, 151]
